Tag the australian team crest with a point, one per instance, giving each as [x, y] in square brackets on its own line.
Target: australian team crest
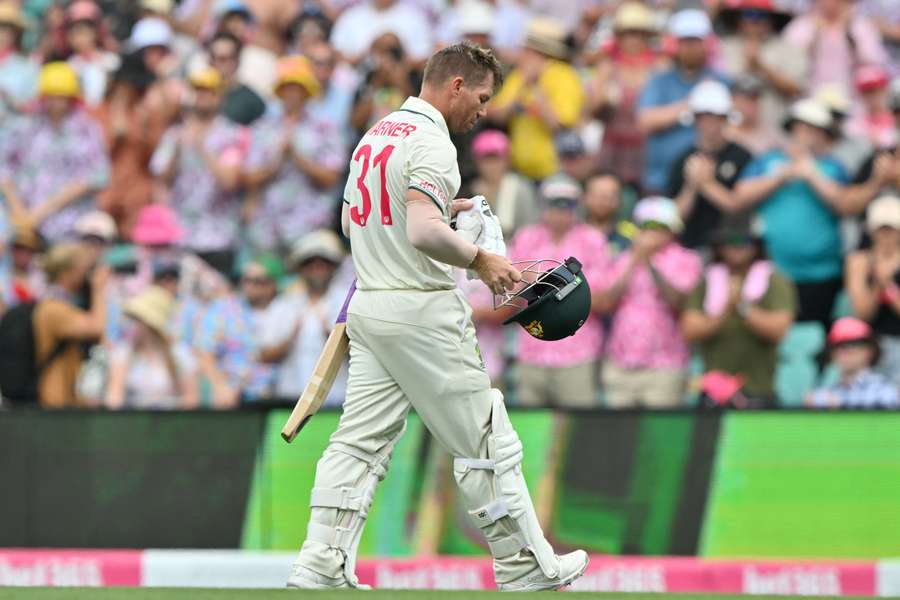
[535, 329]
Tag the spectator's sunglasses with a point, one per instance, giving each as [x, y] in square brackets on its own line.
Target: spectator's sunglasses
[754, 14]
[654, 226]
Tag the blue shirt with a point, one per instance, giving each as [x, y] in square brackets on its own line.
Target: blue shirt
[664, 147]
[801, 232]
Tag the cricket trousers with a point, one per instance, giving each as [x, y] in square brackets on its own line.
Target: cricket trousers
[407, 349]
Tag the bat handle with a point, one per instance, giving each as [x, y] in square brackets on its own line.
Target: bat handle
[342, 316]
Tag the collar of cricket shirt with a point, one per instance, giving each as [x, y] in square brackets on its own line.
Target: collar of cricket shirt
[418, 106]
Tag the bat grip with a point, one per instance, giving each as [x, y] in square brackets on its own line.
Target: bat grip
[342, 316]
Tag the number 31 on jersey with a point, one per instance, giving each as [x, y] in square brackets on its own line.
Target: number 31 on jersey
[364, 156]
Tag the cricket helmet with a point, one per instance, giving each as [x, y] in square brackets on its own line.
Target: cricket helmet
[554, 301]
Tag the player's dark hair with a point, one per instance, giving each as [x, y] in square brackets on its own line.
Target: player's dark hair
[465, 60]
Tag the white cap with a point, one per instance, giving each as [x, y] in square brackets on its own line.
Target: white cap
[810, 111]
[710, 97]
[690, 23]
[150, 31]
[96, 223]
[883, 212]
[475, 17]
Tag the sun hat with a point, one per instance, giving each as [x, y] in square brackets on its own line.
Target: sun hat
[26, 236]
[11, 14]
[58, 79]
[710, 97]
[490, 142]
[150, 31]
[162, 7]
[658, 209]
[561, 191]
[270, 263]
[690, 23]
[474, 17]
[633, 16]
[153, 307]
[547, 36]
[157, 225]
[205, 78]
[733, 10]
[849, 329]
[884, 211]
[96, 223]
[322, 243]
[812, 112]
[297, 69]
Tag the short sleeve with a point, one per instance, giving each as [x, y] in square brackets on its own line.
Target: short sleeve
[279, 321]
[781, 295]
[432, 170]
[676, 174]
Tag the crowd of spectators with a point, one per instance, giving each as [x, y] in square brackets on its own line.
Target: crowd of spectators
[727, 172]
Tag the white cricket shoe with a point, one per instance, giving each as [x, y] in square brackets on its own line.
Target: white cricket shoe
[571, 567]
[307, 579]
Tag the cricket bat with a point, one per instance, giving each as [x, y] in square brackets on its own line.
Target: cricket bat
[319, 384]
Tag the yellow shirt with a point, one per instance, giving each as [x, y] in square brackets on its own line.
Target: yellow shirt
[532, 146]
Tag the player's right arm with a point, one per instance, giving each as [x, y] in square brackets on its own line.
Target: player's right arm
[429, 234]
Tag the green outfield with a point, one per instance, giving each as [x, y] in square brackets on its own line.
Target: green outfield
[231, 594]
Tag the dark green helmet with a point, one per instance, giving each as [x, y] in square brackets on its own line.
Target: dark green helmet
[556, 302]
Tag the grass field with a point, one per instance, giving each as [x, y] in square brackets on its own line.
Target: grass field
[232, 594]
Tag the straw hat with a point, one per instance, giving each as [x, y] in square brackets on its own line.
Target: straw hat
[297, 69]
[153, 307]
[322, 243]
[548, 37]
[633, 16]
[10, 14]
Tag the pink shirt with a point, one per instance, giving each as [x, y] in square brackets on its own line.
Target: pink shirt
[587, 245]
[490, 335]
[644, 332]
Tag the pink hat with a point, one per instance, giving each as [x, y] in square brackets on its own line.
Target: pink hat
[490, 142]
[83, 10]
[849, 329]
[157, 225]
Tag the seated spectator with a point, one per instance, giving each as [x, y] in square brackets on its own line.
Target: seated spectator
[85, 36]
[201, 158]
[740, 311]
[24, 281]
[802, 191]
[295, 160]
[624, 67]
[645, 290]
[339, 82]
[873, 121]
[18, 74]
[511, 196]
[387, 82]
[703, 178]
[849, 150]
[358, 27]
[602, 203]
[540, 96]
[54, 161]
[872, 279]
[835, 38]
[663, 105]
[228, 341]
[60, 326]
[294, 330]
[746, 129]
[563, 373]
[854, 350]
[149, 370]
[752, 46]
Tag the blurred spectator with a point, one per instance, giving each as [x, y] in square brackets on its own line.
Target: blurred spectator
[563, 373]
[880, 172]
[387, 82]
[511, 18]
[294, 330]
[358, 27]
[703, 178]
[339, 82]
[54, 161]
[663, 112]
[24, 281]
[602, 203]
[201, 159]
[574, 158]
[95, 231]
[312, 28]
[885, 16]
[295, 160]
[133, 127]
[740, 311]
[511, 196]
[851, 151]
[59, 325]
[752, 46]
[872, 279]
[225, 57]
[541, 96]
[873, 120]
[18, 74]
[802, 188]
[149, 370]
[626, 64]
[469, 20]
[745, 128]
[835, 38]
[93, 63]
[854, 350]
[644, 290]
[228, 341]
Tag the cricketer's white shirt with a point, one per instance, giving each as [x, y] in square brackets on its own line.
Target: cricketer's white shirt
[408, 149]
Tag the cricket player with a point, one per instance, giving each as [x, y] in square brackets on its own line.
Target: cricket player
[412, 342]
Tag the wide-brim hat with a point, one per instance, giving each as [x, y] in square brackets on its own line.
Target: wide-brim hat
[157, 225]
[731, 13]
[547, 36]
[634, 16]
[11, 14]
[322, 243]
[297, 69]
[152, 307]
[26, 236]
[96, 224]
[811, 112]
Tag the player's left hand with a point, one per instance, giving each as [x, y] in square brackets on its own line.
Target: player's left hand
[460, 204]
